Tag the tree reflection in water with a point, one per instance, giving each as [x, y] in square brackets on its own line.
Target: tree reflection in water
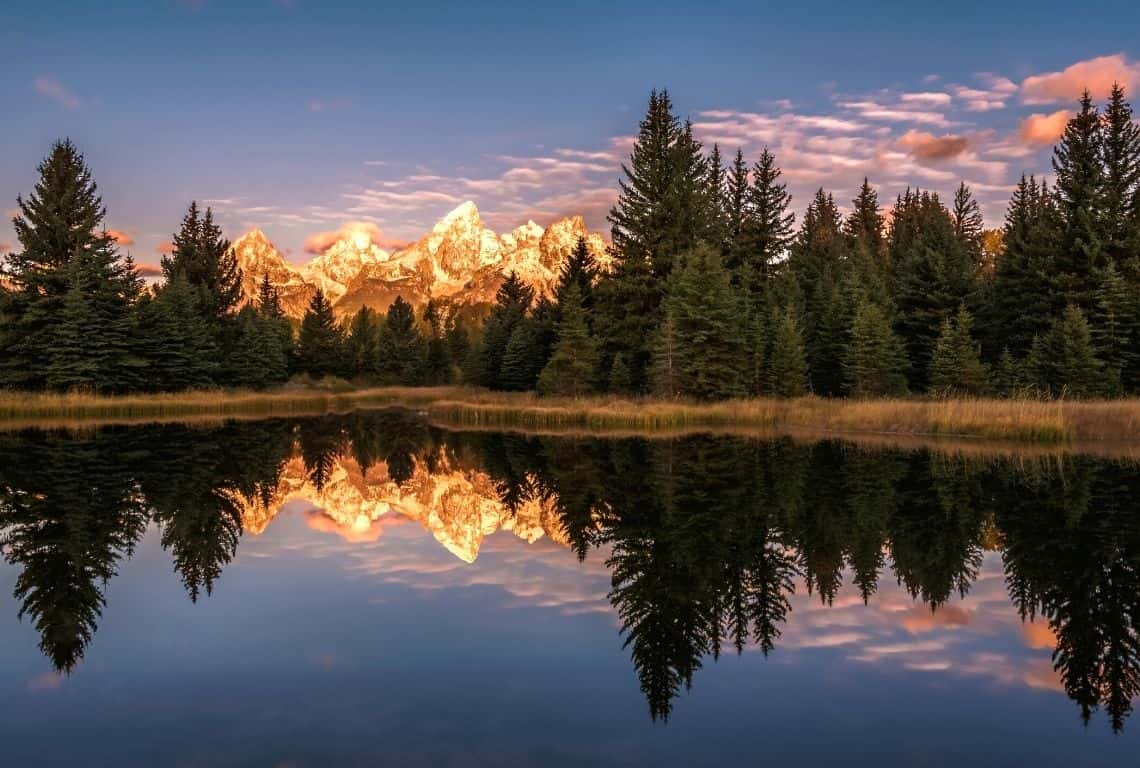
[705, 537]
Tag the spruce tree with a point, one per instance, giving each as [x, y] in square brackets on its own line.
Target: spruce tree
[580, 270]
[968, 225]
[204, 259]
[865, 224]
[665, 376]
[522, 361]
[1023, 295]
[736, 214]
[620, 379]
[93, 341]
[1115, 322]
[437, 360]
[933, 276]
[707, 329]
[876, 364]
[1121, 160]
[570, 371]
[179, 342]
[787, 365]
[512, 301]
[956, 368]
[1079, 191]
[1008, 377]
[1063, 362]
[817, 261]
[320, 343]
[362, 345]
[402, 348]
[768, 227]
[61, 220]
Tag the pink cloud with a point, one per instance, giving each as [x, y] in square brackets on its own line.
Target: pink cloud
[48, 681]
[927, 146]
[5, 247]
[1044, 129]
[1097, 75]
[165, 248]
[320, 242]
[148, 270]
[121, 237]
[53, 89]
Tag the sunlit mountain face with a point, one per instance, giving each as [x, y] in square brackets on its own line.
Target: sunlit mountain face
[461, 262]
[346, 572]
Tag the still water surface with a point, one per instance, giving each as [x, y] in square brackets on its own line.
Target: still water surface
[370, 590]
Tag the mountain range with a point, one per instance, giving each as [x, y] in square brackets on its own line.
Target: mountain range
[459, 506]
[460, 261]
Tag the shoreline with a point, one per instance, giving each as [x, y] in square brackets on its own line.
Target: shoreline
[1012, 421]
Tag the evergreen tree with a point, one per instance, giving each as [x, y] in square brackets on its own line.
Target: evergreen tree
[570, 371]
[522, 359]
[817, 260]
[319, 345]
[63, 219]
[362, 346]
[715, 191]
[768, 227]
[933, 276]
[876, 363]
[787, 366]
[1063, 362]
[1121, 160]
[665, 374]
[580, 270]
[706, 325]
[864, 225]
[204, 259]
[956, 368]
[1079, 191]
[736, 214]
[93, 343]
[645, 219]
[1116, 331]
[620, 379]
[1023, 295]
[179, 343]
[512, 301]
[402, 349]
[437, 362]
[258, 360]
[1008, 378]
[968, 225]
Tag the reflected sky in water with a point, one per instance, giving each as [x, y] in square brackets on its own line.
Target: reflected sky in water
[362, 635]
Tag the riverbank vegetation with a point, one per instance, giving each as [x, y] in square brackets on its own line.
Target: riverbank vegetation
[1025, 420]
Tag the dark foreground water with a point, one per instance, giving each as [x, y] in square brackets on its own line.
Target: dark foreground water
[367, 590]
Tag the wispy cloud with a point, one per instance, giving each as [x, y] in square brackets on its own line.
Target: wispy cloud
[927, 146]
[328, 105]
[55, 90]
[122, 237]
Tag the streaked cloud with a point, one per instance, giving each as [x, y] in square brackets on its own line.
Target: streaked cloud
[927, 146]
[165, 248]
[57, 91]
[148, 271]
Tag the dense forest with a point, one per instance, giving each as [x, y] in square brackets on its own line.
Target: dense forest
[714, 292]
[705, 538]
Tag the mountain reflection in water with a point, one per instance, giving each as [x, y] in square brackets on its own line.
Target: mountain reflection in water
[707, 544]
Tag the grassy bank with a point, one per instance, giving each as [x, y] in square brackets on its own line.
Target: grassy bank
[1006, 420]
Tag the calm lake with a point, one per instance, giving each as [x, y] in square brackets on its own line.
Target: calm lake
[372, 590]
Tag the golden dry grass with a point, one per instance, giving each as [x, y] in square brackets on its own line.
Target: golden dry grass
[994, 420]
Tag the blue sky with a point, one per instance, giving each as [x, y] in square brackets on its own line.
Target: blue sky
[299, 116]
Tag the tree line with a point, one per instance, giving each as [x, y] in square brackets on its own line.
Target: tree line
[706, 538]
[713, 292]
[716, 293]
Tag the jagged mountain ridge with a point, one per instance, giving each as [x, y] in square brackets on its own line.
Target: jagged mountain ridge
[460, 260]
[459, 507]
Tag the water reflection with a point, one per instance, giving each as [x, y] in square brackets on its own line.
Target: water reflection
[706, 540]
